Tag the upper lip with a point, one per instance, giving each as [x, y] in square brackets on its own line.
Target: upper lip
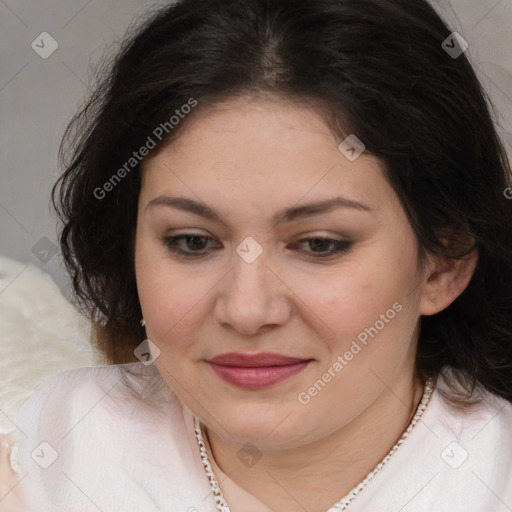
[254, 360]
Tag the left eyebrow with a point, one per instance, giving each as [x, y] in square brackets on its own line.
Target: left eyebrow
[316, 208]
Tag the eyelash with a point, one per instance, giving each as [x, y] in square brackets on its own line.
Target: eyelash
[171, 241]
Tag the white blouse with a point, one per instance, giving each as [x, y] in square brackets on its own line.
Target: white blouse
[96, 439]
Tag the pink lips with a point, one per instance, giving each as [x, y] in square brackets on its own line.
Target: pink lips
[255, 371]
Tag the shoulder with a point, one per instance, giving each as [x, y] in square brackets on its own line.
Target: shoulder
[489, 415]
[477, 436]
[89, 376]
[94, 377]
[110, 390]
[59, 387]
[107, 405]
[118, 430]
[455, 458]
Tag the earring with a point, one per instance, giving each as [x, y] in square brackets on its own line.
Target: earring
[143, 322]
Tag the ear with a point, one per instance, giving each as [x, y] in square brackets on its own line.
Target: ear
[446, 279]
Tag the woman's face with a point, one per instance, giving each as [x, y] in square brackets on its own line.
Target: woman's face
[253, 179]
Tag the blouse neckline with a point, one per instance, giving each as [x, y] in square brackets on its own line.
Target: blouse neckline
[240, 500]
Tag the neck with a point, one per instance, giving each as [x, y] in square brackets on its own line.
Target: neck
[319, 474]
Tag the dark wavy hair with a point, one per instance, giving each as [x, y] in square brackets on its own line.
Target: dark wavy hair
[375, 68]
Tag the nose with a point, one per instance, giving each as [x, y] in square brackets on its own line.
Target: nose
[252, 298]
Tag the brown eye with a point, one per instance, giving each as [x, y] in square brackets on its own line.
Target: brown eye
[323, 247]
[189, 244]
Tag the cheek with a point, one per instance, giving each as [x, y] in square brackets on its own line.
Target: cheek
[165, 294]
[175, 300]
[355, 295]
[373, 301]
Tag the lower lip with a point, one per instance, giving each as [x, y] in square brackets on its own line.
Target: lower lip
[257, 377]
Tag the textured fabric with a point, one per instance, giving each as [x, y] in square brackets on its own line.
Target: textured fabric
[42, 334]
[127, 444]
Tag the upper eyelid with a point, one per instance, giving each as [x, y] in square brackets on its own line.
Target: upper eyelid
[302, 238]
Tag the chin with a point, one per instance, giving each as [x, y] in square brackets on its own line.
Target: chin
[265, 426]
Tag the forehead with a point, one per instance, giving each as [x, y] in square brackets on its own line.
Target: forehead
[240, 127]
[255, 149]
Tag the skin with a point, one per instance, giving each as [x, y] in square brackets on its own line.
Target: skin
[11, 498]
[246, 159]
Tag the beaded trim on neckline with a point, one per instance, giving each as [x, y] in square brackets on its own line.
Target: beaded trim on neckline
[342, 504]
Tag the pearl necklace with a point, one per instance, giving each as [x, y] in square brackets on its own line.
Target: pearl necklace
[222, 506]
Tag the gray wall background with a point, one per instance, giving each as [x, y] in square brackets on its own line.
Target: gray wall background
[39, 96]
